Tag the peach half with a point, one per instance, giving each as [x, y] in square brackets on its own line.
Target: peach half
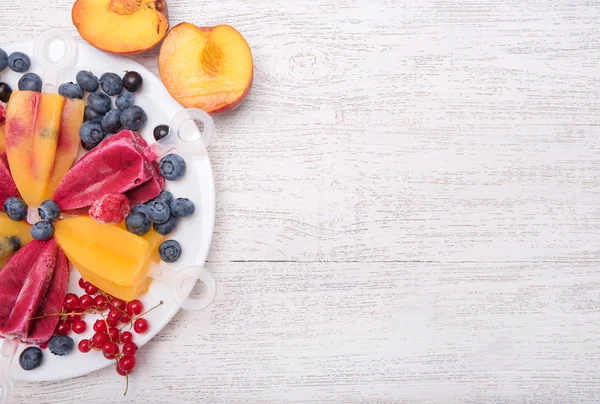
[206, 67]
[121, 26]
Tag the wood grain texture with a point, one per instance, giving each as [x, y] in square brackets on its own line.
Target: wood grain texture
[407, 208]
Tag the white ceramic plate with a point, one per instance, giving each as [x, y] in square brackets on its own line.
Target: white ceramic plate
[194, 233]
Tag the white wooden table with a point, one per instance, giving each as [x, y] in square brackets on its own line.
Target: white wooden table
[408, 208]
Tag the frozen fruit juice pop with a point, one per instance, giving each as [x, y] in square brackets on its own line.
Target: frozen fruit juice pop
[40, 141]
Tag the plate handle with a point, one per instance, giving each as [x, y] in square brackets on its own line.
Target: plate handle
[176, 139]
[182, 283]
[41, 52]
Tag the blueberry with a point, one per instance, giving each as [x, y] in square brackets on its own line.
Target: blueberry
[19, 62]
[61, 345]
[161, 131]
[31, 358]
[14, 243]
[169, 251]
[172, 167]
[182, 207]
[49, 211]
[133, 81]
[138, 223]
[5, 92]
[30, 82]
[133, 118]
[111, 83]
[3, 60]
[112, 121]
[164, 197]
[15, 208]
[87, 81]
[158, 212]
[166, 227]
[42, 231]
[99, 102]
[124, 101]
[91, 135]
[92, 116]
[141, 208]
[70, 90]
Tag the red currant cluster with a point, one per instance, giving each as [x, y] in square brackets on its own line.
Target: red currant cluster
[116, 315]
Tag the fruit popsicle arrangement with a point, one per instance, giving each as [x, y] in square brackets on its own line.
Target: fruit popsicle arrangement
[107, 214]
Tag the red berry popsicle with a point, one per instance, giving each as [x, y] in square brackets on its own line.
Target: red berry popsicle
[115, 166]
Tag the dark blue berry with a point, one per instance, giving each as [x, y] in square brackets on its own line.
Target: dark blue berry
[166, 227]
[61, 345]
[31, 358]
[87, 81]
[172, 167]
[132, 81]
[161, 131]
[3, 60]
[112, 121]
[70, 90]
[169, 251]
[124, 101]
[92, 116]
[99, 102]
[141, 208]
[5, 92]
[138, 223]
[15, 208]
[30, 82]
[91, 134]
[19, 62]
[182, 207]
[164, 197]
[111, 83]
[158, 212]
[133, 118]
[42, 231]
[49, 211]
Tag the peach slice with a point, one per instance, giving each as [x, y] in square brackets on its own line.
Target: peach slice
[121, 26]
[206, 67]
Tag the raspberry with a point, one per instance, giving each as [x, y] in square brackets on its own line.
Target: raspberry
[110, 209]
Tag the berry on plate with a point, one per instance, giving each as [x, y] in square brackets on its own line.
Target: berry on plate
[110, 209]
[172, 167]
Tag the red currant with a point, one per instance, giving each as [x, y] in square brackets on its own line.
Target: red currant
[79, 327]
[86, 302]
[135, 307]
[71, 302]
[91, 289]
[100, 326]
[82, 283]
[101, 302]
[127, 363]
[113, 334]
[118, 304]
[140, 325]
[110, 349]
[120, 372]
[129, 349]
[43, 345]
[113, 318]
[73, 318]
[99, 339]
[62, 328]
[126, 336]
[84, 346]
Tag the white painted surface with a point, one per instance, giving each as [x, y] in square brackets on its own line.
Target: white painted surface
[407, 208]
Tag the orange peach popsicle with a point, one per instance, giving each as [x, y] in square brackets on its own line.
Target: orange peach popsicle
[108, 256]
[41, 143]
